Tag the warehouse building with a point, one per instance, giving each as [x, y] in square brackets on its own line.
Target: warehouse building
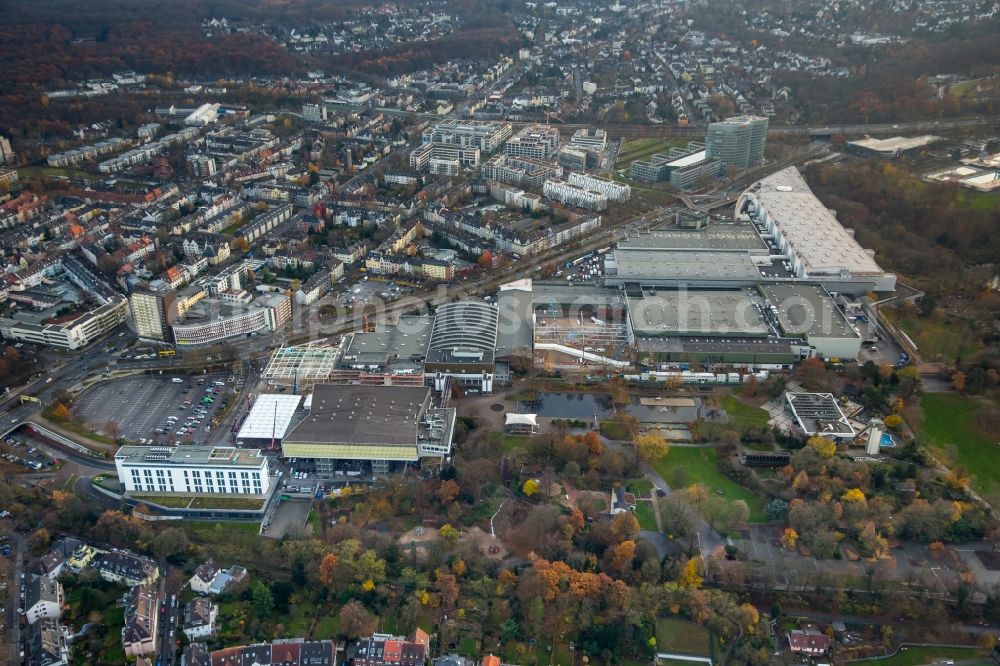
[384, 426]
[268, 420]
[808, 311]
[812, 242]
[462, 346]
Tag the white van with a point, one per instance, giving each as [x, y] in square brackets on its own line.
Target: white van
[177, 380]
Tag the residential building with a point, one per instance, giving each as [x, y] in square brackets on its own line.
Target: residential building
[231, 314]
[737, 142]
[54, 563]
[617, 192]
[590, 138]
[126, 568]
[444, 158]
[537, 141]
[486, 136]
[43, 598]
[314, 113]
[286, 652]
[6, 152]
[518, 170]
[153, 313]
[200, 470]
[388, 650]
[197, 654]
[203, 576]
[48, 644]
[142, 617]
[575, 195]
[199, 618]
[808, 641]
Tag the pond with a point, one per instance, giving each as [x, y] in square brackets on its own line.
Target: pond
[568, 406]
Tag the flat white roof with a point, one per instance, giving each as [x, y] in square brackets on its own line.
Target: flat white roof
[819, 240]
[688, 160]
[270, 416]
[896, 142]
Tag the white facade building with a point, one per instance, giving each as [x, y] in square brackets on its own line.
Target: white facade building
[617, 192]
[199, 470]
[574, 195]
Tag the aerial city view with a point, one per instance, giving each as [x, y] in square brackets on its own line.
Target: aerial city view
[499, 332]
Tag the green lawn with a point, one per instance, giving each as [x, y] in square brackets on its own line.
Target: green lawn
[511, 442]
[113, 620]
[673, 635]
[639, 487]
[214, 531]
[299, 620]
[326, 627]
[743, 415]
[700, 465]
[953, 419]
[917, 656]
[640, 149]
[644, 514]
[614, 430]
[937, 339]
[317, 527]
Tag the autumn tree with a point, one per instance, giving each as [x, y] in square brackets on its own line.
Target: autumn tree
[530, 487]
[651, 446]
[690, 578]
[356, 621]
[328, 570]
[446, 585]
[447, 491]
[624, 526]
[448, 533]
[789, 538]
[824, 446]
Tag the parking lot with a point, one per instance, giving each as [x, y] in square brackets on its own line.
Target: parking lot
[154, 409]
[16, 449]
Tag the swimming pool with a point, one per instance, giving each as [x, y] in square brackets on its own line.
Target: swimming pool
[887, 440]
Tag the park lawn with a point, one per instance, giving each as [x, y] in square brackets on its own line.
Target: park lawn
[644, 514]
[936, 339]
[953, 419]
[673, 635]
[916, 656]
[511, 442]
[744, 416]
[700, 465]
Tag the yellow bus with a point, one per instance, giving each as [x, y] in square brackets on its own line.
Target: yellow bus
[167, 352]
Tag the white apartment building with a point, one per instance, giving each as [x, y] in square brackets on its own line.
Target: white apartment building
[574, 195]
[487, 136]
[537, 141]
[617, 192]
[590, 138]
[199, 470]
[216, 319]
[152, 313]
[43, 598]
[444, 158]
